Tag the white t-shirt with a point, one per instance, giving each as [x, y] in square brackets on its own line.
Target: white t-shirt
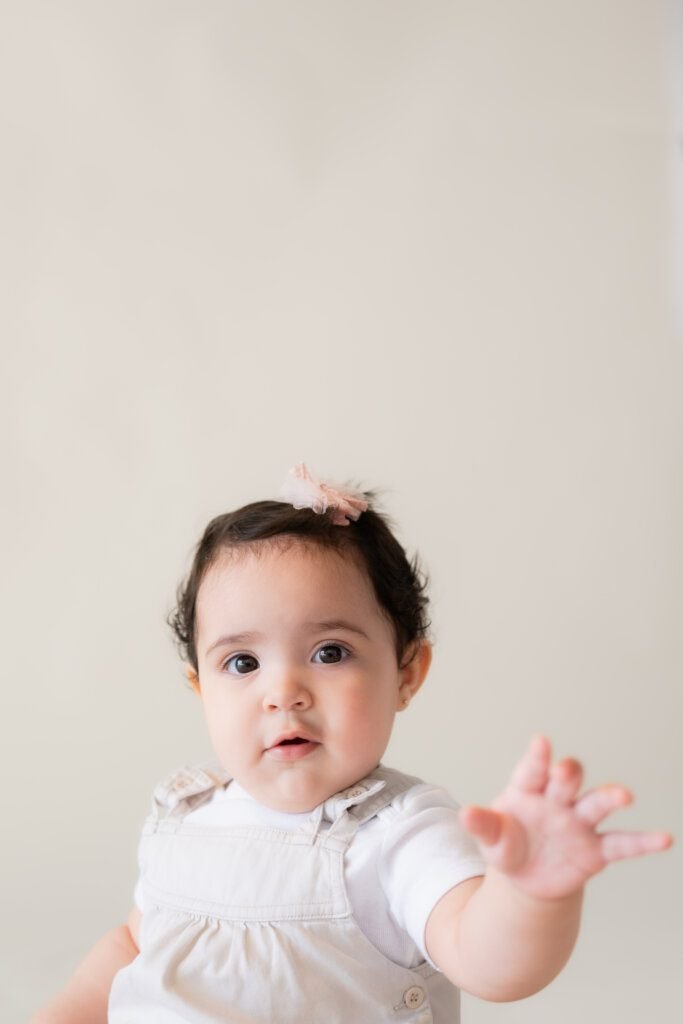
[400, 863]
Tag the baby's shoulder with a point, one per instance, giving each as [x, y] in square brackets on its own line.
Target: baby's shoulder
[421, 825]
[413, 796]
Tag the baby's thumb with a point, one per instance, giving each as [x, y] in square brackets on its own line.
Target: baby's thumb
[483, 823]
[501, 837]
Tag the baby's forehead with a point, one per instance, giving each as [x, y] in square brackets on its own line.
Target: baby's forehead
[256, 565]
[288, 586]
[268, 554]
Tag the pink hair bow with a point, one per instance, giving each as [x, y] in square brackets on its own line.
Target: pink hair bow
[302, 490]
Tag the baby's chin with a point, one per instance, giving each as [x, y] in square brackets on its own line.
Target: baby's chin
[292, 791]
[286, 803]
[286, 794]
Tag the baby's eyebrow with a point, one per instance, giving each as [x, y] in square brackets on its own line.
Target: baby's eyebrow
[233, 638]
[334, 624]
[330, 625]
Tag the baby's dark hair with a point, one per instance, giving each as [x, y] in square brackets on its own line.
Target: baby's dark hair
[399, 584]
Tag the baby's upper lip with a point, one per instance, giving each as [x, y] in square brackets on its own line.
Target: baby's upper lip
[292, 734]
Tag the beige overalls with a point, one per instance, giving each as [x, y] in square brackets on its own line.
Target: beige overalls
[252, 925]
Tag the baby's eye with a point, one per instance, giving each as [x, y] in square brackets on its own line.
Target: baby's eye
[330, 654]
[241, 664]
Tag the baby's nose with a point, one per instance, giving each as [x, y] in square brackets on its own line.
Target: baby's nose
[287, 693]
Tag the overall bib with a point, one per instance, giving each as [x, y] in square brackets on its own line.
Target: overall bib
[252, 925]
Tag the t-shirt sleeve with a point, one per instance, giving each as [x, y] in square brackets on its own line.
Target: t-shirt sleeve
[425, 852]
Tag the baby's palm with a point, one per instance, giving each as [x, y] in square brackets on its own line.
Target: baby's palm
[542, 834]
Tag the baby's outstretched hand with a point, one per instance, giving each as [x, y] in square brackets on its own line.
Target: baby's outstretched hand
[542, 834]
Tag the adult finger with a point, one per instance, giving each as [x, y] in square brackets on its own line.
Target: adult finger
[565, 781]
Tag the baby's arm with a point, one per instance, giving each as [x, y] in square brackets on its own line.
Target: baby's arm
[506, 936]
[496, 944]
[85, 998]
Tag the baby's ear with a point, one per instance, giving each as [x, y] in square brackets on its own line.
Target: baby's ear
[414, 672]
[193, 679]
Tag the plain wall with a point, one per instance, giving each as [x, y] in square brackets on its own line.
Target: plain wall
[431, 247]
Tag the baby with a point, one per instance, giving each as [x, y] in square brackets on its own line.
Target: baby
[298, 879]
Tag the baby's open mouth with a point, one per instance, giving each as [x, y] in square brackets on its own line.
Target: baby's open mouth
[292, 748]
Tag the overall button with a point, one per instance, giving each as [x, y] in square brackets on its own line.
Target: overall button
[350, 794]
[414, 997]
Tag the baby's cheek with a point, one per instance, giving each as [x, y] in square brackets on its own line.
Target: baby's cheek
[369, 719]
[226, 726]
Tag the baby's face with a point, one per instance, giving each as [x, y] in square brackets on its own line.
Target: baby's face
[298, 672]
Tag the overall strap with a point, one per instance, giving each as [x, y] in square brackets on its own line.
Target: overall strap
[352, 807]
[186, 788]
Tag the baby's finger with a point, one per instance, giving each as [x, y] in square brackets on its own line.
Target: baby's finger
[565, 781]
[531, 772]
[619, 845]
[596, 804]
[483, 823]
[501, 837]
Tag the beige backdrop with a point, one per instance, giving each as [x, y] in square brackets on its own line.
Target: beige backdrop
[429, 246]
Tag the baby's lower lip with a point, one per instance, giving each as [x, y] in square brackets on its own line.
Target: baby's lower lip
[292, 751]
